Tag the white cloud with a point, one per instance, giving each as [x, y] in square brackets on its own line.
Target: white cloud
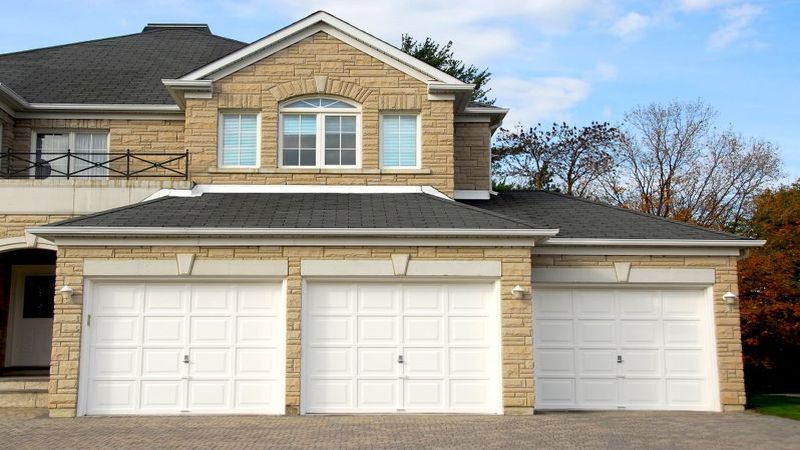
[542, 99]
[737, 25]
[605, 71]
[630, 25]
[702, 5]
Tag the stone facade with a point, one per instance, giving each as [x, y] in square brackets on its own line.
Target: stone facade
[473, 143]
[322, 65]
[728, 334]
[516, 314]
[14, 225]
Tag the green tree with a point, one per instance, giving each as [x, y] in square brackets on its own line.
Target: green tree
[443, 58]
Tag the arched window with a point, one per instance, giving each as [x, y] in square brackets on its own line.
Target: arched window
[320, 132]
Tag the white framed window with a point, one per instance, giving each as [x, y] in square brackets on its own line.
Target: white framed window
[86, 149]
[400, 140]
[239, 139]
[319, 132]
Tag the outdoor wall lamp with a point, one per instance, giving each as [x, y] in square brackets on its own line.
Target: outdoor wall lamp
[66, 294]
[518, 292]
[730, 299]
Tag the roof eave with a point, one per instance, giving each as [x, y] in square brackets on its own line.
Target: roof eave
[590, 242]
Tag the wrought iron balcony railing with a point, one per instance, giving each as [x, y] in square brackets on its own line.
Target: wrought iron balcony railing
[99, 165]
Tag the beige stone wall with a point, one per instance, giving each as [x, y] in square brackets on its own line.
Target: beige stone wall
[321, 64]
[729, 338]
[14, 225]
[516, 314]
[472, 156]
[7, 137]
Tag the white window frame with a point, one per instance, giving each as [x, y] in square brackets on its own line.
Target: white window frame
[418, 158]
[220, 132]
[71, 132]
[321, 113]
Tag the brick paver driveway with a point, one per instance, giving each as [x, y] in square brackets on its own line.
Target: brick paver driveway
[32, 429]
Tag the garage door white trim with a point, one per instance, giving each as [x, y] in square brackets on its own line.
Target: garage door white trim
[665, 336]
[390, 318]
[258, 387]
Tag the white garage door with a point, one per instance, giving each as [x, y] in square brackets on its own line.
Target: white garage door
[372, 348]
[166, 348]
[634, 349]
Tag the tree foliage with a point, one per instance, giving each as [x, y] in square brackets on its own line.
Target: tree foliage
[561, 158]
[769, 286]
[443, 58]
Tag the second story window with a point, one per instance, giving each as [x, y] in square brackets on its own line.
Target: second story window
[88, 155]
[239, 146]
[319, 132]
[400, 141]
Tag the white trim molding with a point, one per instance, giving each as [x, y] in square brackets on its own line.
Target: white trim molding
[201, 189]
[386, 268]
[478, 194]
[27, 241]
[173, 267]
[736, 243]
[633, 275]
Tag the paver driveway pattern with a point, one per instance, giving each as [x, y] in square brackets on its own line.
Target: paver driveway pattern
[23, 429]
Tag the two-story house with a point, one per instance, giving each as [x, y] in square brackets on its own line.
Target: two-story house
[305, 224]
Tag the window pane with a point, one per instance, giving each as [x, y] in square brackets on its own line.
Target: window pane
[348, 124]
[91, 150]
[50, 154]
[349, 141]
[319, 102]
[332, 157]
[340, 135]
[348, 157]
[399, 141]
[299, 133]
[239, 140]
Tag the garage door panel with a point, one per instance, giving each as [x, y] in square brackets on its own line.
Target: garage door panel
[163, 331]
[331, 362]
[380, 331]
[256, 330]
[208, 395]
[467, 331]
[555, 362]
[331, 298]
[209, 330]
[162, 362]
[116, 362]
[554, 333]
[469, 394]
[597, 333]
[465, 362]
[376, 299]
[228, 331]
[639, 333]
[257, 363]
[213, 299]
[555, 392]
[424, 395]
[331, 395]
[594, 304]
[118, 299]
[424, 331]
[466, 300]
[423, 300]
[117, 330]
[161, 395]
[661, 337]
[378, 394]
[597, 363]
[374, 362]
[425, 362]
[165, 299]
[331, 331]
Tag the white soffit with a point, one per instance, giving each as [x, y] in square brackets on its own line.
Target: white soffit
[732, 243]
[201, 189]
[323, 21]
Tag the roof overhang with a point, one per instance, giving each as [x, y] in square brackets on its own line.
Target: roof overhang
[708, 243]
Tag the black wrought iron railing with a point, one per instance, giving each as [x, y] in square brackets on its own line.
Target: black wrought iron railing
[69, 164]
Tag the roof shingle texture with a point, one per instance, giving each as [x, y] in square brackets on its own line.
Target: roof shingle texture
[585, 219]
[119, 70]
[299, 210]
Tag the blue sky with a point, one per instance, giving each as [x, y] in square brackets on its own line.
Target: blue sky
[552, 60]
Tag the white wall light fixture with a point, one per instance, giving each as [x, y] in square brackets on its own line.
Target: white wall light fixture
[729, 298]
[66, 294]
[518, 292]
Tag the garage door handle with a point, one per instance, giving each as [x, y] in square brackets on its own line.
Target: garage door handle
[186, 359]
[619, 359]
[400, 359]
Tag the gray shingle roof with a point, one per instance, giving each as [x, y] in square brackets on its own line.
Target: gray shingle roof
[123, 70]
[580, 218]
[300, 210]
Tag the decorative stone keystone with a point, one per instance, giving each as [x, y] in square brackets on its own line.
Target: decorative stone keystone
[321, 81]
[622, 271]
[185, 263]
[400, 264]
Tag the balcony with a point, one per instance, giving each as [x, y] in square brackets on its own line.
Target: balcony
[75, 165]
[70, 183]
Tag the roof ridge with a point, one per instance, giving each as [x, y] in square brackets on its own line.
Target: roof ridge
[639, 213]
[475, 208]
[110, 38]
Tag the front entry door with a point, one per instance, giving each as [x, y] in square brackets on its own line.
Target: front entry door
[31, 316]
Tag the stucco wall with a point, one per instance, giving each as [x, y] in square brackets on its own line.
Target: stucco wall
[321, 64]
[728, 334]
[516, 317]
